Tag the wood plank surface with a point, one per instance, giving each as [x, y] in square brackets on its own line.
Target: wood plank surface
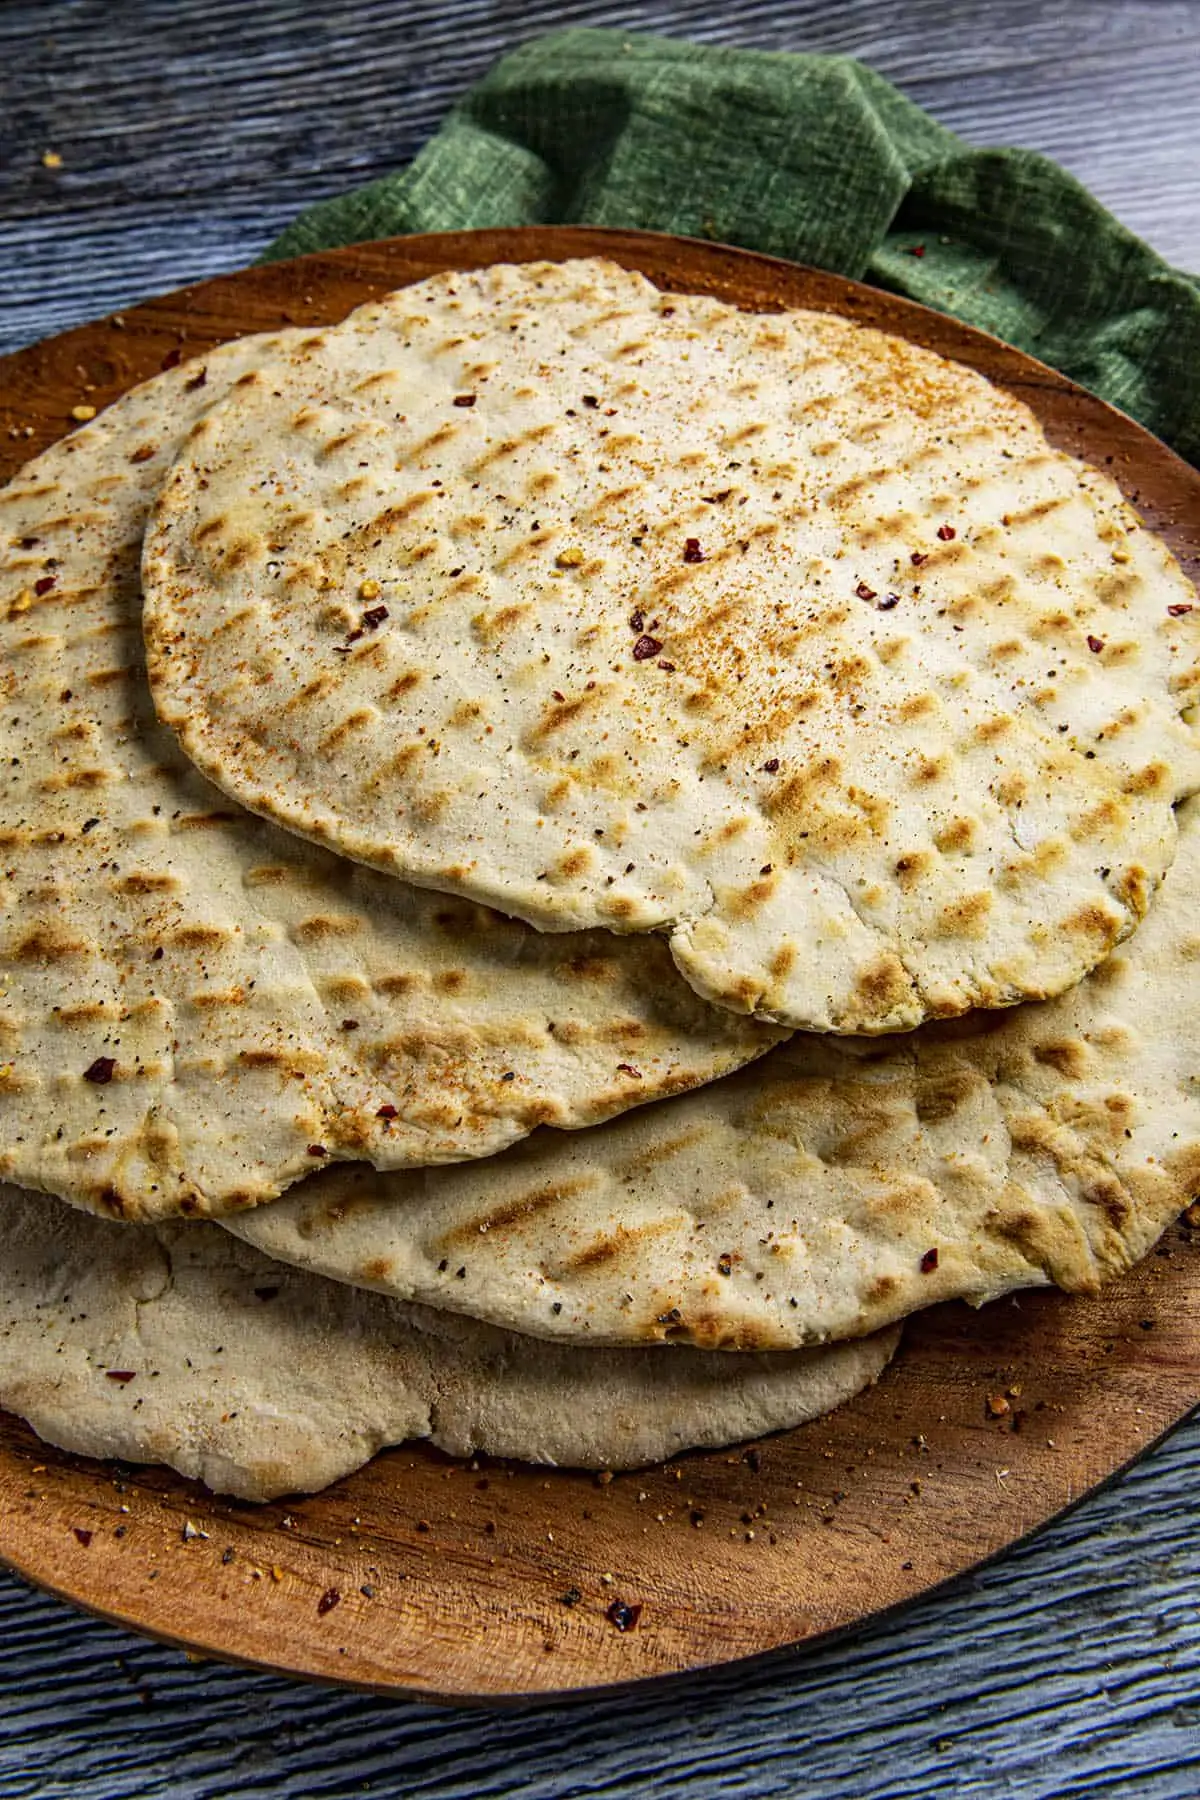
[188, 134]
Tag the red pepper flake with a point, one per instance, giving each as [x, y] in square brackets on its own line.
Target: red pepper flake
[100, 1072]
[946, 533]
[668, 668]
[915, 250]
[1177, 612]
[1095, 645]
[387, 1111]
[374, 618]
[555, 695]
[929, 1262]
[637, 619]
[172, 359]
[464, 399]
[918, 557]
[623, 1616]
[864, 592]
[628, 1069]
[645, 648]
[329, 1599]
[771, 767]
[886, 602]
[317, 1150]
[44, 583]
[692, 553]
[197, 381]
[590, 400]
[85, 1537]
[121, 1374]
[349, 1024]
[88, 825]
[725, 1263]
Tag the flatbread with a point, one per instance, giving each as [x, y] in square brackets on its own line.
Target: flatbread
[835, 1186]
[611, 607]
[176, 1344]
[195, 1008]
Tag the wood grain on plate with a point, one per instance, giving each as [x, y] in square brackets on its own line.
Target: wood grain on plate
[422, 1575]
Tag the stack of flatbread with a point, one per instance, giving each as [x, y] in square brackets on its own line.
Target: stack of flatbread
[571, 855]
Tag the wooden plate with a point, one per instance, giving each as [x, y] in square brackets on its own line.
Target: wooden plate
[494, 1581]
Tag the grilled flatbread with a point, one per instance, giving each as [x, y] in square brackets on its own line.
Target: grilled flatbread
[616, 608]
[197, 1008]
[835, 1186]
[176, 1344]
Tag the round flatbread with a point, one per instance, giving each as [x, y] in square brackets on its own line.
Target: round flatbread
[616, 608]
[837, 1185]
[176, 1344]
[196, 1008]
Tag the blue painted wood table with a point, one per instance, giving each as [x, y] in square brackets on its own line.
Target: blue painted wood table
[189, 131]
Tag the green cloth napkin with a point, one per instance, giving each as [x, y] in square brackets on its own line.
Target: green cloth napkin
[813, 158]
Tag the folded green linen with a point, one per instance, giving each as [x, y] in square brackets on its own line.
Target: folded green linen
[815, 158]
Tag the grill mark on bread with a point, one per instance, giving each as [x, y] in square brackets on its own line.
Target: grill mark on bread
[519, 1210]
[615, 1247]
